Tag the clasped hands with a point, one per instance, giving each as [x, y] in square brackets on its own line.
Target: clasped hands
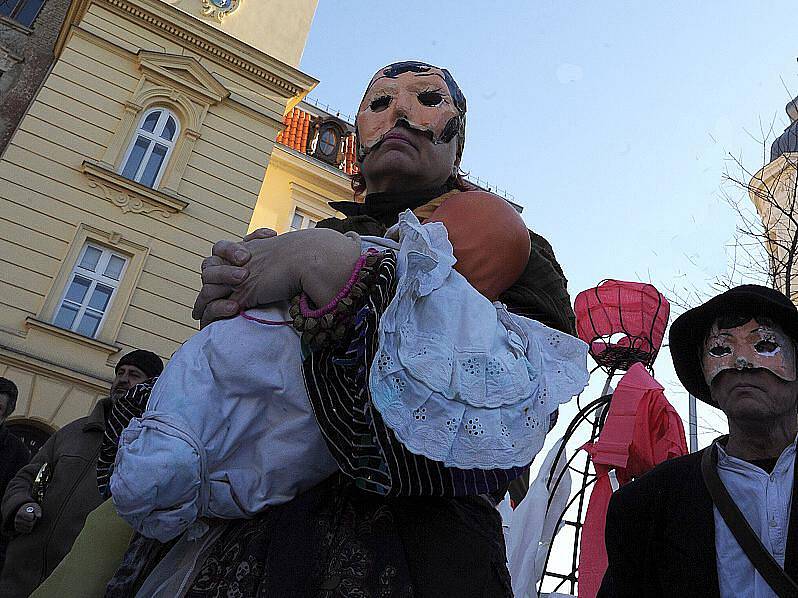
[265, 267]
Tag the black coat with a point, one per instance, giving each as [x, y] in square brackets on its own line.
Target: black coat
[660, 535]
[14, 455]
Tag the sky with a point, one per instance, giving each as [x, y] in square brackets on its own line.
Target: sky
[612, 123]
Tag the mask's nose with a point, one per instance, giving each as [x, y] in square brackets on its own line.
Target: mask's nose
[741, 363]
[401, 107]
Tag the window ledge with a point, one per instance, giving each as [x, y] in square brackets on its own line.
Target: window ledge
[130, 196]
[73, 336]
[15, 25]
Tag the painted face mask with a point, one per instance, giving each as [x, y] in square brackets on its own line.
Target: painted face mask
[751, 345]
[416, 96]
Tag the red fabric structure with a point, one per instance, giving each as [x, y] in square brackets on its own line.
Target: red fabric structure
[642, 429]
[622, 322]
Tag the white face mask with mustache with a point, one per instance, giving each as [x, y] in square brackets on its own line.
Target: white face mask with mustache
[751, 345]
[419, 101]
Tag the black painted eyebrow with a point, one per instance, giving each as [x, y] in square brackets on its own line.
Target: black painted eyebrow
[416, 74]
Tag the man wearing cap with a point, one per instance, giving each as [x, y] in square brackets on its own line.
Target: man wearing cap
[722, 521]
[46, 503]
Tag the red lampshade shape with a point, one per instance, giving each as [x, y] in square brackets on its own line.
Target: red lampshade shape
[622, 322]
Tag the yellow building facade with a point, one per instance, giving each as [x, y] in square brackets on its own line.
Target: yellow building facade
[147, 142]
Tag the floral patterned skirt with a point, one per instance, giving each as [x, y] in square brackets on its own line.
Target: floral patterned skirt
[337, 540]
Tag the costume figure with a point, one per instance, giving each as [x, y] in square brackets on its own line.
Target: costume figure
[225, 437]
[391, 521]
[722, 521]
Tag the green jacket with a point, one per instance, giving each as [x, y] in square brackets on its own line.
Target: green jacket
[93, 559]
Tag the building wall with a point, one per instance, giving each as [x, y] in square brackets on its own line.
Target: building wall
[59, 188]
[297, 182]
[278, 28]
[26, 54]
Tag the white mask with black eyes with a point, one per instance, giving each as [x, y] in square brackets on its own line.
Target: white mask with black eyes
[751, 345]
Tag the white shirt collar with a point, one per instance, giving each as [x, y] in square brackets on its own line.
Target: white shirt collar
[732, 463]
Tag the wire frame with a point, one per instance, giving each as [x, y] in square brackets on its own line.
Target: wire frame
[589, 420]
[623, 323]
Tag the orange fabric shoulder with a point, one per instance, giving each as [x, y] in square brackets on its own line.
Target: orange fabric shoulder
[489, 237]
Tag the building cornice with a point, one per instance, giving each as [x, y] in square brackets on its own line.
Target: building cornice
[39, 365]
[202, 39]
[309, 169]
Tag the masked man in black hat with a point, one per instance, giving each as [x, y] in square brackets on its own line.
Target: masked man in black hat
[46, 503]
[720, 522]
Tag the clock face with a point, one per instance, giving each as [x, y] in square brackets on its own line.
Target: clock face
[219, 8]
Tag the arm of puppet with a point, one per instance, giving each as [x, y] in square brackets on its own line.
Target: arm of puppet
[489, 237]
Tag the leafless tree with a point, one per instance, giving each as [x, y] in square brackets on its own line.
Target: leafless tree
[764, 248]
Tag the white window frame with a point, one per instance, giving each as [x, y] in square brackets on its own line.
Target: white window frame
[153, 138]
[96, 277]
[306, 217]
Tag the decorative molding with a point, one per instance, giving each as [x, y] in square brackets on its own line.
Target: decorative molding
[183, 72]
[150, 92]
[108, 348]
[130, 196]
[219, 9]
[201, 38]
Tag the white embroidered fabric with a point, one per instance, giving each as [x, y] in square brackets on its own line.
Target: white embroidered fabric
[460, 379]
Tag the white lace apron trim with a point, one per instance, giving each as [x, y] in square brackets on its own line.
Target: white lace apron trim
[460, 379]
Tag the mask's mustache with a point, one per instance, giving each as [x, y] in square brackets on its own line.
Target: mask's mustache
[403, 124]
[747, 368]
[450, 130]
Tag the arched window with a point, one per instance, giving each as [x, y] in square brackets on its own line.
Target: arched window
[148, 154]
[33, 434]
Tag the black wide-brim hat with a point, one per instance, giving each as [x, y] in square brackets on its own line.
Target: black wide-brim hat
[689, 330]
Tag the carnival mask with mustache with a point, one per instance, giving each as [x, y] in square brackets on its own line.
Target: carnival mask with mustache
[413, 95]
[751, 345]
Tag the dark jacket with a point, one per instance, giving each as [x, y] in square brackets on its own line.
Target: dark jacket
[660, 535]
[13, 456]
[71, 454]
